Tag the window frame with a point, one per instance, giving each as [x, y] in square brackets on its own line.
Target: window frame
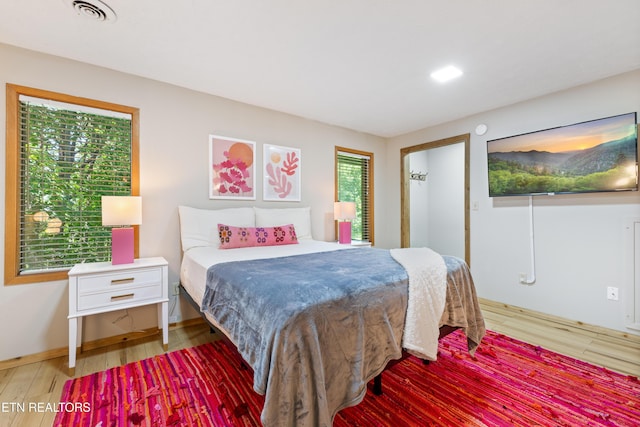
[370, 187]
[12, 274]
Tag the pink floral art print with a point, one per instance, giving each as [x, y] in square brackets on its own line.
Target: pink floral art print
[231, 168]
[281, 173]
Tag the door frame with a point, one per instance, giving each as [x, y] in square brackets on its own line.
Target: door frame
[405, 201]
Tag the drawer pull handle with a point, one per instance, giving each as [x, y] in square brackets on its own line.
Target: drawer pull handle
[121, 297]
[122, 281]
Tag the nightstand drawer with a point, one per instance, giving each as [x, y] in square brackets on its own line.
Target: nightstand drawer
[114, 281]
[118, 297]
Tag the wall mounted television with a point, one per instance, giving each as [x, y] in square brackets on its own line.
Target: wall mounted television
[594, 156]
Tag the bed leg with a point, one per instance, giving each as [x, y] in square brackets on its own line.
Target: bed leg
[377, 385]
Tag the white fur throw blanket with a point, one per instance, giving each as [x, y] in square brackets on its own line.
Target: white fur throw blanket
[427, 273]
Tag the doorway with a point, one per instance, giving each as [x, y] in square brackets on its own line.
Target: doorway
[440, 217]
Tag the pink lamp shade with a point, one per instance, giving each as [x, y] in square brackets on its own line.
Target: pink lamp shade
[122, 211]
[343, 212]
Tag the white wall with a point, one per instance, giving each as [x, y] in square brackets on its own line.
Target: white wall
[581, 246]
[437, 204]
[419, 200]
[446, 199]
[174, 128]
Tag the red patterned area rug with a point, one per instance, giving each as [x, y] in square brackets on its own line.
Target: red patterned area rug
[507, 383]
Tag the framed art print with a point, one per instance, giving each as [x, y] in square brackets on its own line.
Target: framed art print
[282, 168]
[232, 171]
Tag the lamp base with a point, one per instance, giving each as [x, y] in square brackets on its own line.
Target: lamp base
[344, 232]
[121, 245]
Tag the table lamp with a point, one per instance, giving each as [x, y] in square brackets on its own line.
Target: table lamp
[344, 212]
[121, 211]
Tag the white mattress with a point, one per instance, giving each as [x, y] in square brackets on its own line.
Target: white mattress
[197, 260]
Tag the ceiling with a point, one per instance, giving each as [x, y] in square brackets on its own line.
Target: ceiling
[360, 64]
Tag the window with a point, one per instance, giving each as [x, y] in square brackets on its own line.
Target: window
[63, 154]
[354, 183]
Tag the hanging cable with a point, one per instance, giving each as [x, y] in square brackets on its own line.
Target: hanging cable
[531, 279]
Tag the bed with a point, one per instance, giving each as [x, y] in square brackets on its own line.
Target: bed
[316, 321]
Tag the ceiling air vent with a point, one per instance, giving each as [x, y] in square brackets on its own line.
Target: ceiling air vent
[93, 9]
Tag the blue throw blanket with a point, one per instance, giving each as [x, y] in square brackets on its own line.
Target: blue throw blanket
[314, 328]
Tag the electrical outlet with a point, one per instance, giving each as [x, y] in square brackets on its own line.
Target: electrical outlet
[176, 289]
[612, 293]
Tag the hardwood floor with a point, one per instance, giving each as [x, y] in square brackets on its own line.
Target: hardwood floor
[42, 382]
[615, 350]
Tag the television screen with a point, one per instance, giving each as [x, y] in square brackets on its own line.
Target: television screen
[598, 155]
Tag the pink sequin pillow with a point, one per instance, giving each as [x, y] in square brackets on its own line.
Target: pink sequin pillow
[243, 237]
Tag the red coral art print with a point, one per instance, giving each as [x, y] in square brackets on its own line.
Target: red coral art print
[231, 168]
[281, 173]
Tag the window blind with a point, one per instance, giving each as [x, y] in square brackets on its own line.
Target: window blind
[69, 157]
[353, 172]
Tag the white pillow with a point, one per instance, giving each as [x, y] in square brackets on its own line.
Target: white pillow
[299, 217]
[199, 227]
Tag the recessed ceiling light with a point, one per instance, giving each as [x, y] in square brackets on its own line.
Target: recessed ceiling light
[445, 74]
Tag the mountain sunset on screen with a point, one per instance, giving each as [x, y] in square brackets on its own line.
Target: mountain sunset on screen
[570, 138]
[593, 156]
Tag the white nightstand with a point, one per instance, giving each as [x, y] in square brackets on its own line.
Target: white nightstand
[356, 243]
[361, 243]
[100, 287]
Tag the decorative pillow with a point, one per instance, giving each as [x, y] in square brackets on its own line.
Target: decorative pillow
[243, 237]
[198, 226]
[299, 217]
